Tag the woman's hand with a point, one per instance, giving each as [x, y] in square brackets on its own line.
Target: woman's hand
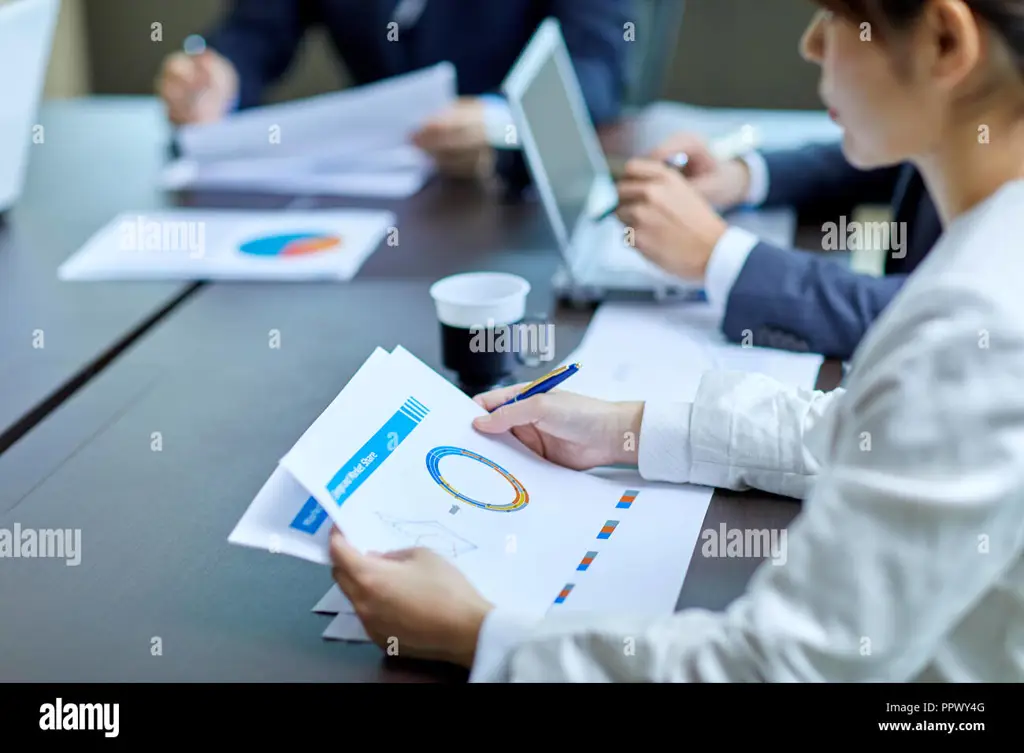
[412, 602]
[571, 430]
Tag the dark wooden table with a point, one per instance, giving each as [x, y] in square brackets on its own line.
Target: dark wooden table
[155, 457]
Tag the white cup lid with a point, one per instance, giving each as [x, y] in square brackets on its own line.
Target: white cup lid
[480, 299]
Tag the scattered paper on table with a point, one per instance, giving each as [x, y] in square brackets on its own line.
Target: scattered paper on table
[354, 142]
[641, 351]
[193, 244]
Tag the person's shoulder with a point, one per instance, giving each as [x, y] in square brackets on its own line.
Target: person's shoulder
[982, 269]
[962, 311]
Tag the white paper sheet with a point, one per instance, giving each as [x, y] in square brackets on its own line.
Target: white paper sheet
[192, 244]
[334, 602]
[640, 351]
[354, 143]
[369, 465]
[283, 518]
[346, 627]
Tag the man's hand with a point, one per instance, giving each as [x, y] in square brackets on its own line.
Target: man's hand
[723, 184]
[672, 224]
[457, 140]
[411, 600]
[197, 88]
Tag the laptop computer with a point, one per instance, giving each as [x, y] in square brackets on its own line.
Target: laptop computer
[26, 38]
[572, 177]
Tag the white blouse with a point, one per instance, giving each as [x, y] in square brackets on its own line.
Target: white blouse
[906, 562]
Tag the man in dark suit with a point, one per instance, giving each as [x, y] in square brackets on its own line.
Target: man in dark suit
[770, 296]
[258, 40]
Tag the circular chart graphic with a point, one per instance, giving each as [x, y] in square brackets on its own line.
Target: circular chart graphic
[433, 468]
[293, 244]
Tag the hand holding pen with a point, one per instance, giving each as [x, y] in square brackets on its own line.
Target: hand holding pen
[712, 167]
[572, 430]
[673, 220]
[197, 84]
[544, 384]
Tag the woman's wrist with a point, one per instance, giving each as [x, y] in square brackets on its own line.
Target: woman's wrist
[629, 417]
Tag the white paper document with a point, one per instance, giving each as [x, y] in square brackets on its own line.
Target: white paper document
[395, 462]
[346, 627]
[354, 142]
[401, 466]
[334, 602]
[644, 351]
[284, 518]
[192, 244]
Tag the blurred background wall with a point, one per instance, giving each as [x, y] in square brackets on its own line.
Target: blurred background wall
[725, 53]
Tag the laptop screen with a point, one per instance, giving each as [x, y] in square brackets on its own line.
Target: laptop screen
[560, 146]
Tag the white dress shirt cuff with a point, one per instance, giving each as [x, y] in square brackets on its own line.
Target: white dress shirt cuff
[664, 451]
[726, 262]
[758, 190]
[497, 122]
[500, 633]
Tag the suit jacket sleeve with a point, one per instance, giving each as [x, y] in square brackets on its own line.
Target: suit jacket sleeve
[260, 39]
[594, 35]
[796, 300]
[818, 180]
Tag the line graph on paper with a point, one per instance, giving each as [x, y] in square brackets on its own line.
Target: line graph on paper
[429, 534]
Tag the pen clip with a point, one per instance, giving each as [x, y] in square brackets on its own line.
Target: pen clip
[543, 379]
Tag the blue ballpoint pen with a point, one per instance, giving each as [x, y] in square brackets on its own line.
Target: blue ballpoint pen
[543, 384]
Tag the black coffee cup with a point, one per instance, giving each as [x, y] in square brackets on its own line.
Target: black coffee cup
[485, 334]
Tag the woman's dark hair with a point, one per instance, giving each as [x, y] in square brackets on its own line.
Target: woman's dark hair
[1005, 17]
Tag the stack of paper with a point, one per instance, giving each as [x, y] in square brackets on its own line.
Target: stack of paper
[350, 143]
[187, 244]
[394, 462]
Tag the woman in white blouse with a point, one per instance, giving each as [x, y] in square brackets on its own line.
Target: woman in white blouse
[907, 560]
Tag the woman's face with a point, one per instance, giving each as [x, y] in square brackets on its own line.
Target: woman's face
[886, 108]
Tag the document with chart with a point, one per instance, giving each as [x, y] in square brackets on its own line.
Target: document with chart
[401, 465]
[395, 463]
[193, 244]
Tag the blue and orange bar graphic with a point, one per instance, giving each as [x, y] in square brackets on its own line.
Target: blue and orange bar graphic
[586, 561]
[626, 500]
[564, 593]
[608, 529]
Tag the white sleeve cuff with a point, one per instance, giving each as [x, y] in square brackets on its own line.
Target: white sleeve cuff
[664, 453]
[726, 262]
[497, 119]
[500, 633]
[758, 190]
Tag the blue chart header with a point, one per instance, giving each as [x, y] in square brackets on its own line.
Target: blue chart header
[359, 467]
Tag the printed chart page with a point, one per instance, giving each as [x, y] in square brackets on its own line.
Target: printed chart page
[329, 244]
[405, 467]
[284, 518]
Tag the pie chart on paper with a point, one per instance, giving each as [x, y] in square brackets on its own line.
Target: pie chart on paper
[291, 244]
